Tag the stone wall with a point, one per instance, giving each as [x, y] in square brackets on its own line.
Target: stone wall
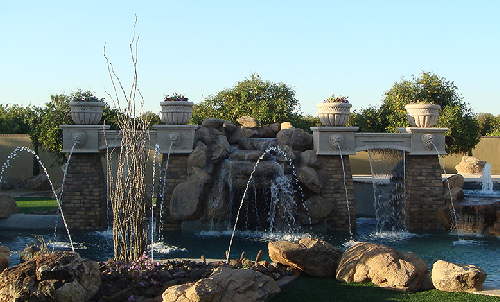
[84, 197]
[424, 191]
[332, 178]
[176, 173]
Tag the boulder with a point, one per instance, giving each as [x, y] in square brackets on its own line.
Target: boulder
[225, 285]
[454, 186]
[37, 183]
[384, 266]
[267, 132]
[308, 177]
[203, 135]
[450, 277]
[248, 121]
[213, 123]
[276, 127]
[242, 132]
[220, 149]
[470, 165]
[58, 276]
[198, 158]
[186, 202]
[315, 257]
[310, 159]
[229, 127]
[316, 209]
[286, 125]
[4, 257]
[8, 206]
[296, 138]
[11, 183]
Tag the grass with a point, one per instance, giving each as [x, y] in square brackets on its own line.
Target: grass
[35, 204]
[329, 290]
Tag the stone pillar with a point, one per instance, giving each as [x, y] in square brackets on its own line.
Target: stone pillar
[84, 198]
[424, 191]
[332, 180]
[176, 173]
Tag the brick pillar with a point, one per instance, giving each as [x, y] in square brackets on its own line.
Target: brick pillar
[424, 191]
[332, 179]
[84, 197]
[176, 173]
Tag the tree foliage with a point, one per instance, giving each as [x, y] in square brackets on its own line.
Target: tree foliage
[267, 101]
[489, 125]
[463, 133]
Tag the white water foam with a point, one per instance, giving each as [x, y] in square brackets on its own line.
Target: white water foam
[163, 248]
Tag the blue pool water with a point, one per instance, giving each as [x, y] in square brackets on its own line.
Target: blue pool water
[483, 251]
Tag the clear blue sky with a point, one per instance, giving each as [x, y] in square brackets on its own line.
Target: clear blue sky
[197, 48]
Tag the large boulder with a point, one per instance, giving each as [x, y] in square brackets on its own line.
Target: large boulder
[186, 202]
[37, 183]
[308, 177]
[296, 138]
[310, 159]
[450, 277]
[8, 206]
[4, 257]
[59, 276]
[225, 285]
[316, 209]
[248, 121]
[384, 266]
[315, 257]
[220, 149]
[11, 183]
[453, 187]
[470, 165]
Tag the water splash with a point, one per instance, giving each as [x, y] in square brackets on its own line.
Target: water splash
[290, 201]
[486, 182]
[14, 155]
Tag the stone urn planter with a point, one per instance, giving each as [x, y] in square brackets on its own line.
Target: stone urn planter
[176, 112]
[86, 113]
[334, 114]
[422, 115]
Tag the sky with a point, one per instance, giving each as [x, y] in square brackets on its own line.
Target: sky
[198, 48]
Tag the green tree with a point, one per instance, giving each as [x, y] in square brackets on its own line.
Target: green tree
[488, 123]
[14, 119]
[463, 134]
[369, 119]
[267, 101]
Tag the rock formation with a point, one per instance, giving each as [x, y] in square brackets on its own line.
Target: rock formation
[8, 206]
[225, 285]
[384, 266]
[312, 256]
[450, 277]
[58, 276]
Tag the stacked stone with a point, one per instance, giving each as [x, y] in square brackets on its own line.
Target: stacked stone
[84, 197]
[424, 191]
[332, 178]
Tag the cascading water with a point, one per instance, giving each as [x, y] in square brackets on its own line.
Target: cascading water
[388, 178]
[282, 193]
[14, 154]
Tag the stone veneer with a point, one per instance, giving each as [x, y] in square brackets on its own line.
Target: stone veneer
[424, 191]
[84, 197]
[332, 178]
[176, 173]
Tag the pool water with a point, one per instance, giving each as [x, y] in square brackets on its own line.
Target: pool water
[482, 251]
